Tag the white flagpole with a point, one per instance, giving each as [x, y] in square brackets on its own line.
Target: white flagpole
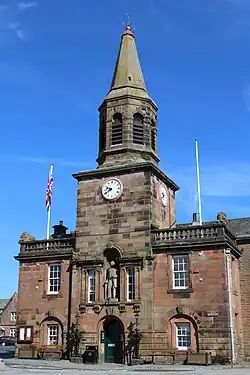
[49, 206]
[198, 181]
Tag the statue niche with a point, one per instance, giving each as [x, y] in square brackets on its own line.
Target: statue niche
[112, 272]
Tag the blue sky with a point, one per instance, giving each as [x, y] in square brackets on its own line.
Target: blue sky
[57, 60]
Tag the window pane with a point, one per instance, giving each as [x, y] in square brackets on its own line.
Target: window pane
[91, 285]
[130, 284]
[54, 278]
[180, 271]
[183, 336]
[52, 335]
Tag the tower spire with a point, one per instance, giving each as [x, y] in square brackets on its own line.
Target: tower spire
[128, 72]
[128, 116]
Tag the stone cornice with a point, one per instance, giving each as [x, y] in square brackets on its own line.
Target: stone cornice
[123, 169]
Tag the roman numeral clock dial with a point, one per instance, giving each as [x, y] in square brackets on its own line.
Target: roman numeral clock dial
[112, 189]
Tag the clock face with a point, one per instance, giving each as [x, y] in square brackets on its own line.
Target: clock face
[163, 194]
[112, 189]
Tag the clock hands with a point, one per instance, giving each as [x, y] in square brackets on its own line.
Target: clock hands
[108, 190]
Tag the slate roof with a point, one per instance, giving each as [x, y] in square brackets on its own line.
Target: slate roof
[3, 302]
[240, 227]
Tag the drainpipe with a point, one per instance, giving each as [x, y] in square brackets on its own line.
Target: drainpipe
[230, 303]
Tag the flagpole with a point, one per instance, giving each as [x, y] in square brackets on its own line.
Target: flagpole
[198, 181]
[49, 203]
[48, 222]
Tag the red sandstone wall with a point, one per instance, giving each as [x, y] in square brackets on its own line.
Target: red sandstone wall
[244, 272]
[208, 293]
[34, 304]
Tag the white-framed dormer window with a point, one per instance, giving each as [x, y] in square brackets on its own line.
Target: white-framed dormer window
[13, 316]
[130, 283]
[53, 331]
[54, 278]
[180, 267]
[183, 336]
[91, 286]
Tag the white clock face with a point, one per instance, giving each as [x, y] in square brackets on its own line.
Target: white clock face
[163, 194]
[112, 189]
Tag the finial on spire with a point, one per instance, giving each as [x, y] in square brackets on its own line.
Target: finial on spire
[128, 23]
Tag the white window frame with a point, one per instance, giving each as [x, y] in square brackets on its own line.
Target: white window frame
[53, 334]
[50, 285]
[13, 316]
[180, 271]
[130, 283]
[12, 330]
[185, 326]
[91, 285]
[25, 334]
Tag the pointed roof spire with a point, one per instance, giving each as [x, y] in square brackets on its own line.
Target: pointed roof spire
[128, 73]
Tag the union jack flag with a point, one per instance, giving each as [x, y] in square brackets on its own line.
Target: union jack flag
[49, 188]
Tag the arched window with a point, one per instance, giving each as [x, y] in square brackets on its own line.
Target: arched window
[153, 136]
[183, 333]
[116, 134]
[138, 129]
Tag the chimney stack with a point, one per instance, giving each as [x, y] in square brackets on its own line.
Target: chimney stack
[59, 230]
[196, 218]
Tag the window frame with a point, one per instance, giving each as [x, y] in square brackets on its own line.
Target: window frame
[133, 283]
[187, 272]
[13, 316]
[11, 330]
[28, 338]
[49, 326]
[51, 292]
[177, 325]
[91, 292]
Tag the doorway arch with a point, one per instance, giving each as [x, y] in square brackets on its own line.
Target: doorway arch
[113, 340]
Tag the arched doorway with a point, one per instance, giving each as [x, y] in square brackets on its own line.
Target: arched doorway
[113, 340]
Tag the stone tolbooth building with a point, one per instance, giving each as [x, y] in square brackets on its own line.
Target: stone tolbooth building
[129, 267]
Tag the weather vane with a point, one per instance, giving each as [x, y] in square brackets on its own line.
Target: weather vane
[128, 23]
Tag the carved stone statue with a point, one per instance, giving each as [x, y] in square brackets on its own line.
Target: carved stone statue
[222, 217]
[111, 281]
[25, 237]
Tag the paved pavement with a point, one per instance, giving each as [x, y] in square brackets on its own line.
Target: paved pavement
[29, 367]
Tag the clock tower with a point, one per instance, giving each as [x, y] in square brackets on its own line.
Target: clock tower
[118, 204]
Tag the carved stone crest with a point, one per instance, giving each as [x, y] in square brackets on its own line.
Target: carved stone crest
[26, 237]
[222, 217]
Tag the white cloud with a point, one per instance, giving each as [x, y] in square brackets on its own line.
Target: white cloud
[20, 34]
[56, 161]
[10, 21]
[224, 187]
[232, 180]
[23, 6]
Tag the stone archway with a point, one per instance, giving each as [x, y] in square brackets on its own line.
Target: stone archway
[183, 333]
[112, 339]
